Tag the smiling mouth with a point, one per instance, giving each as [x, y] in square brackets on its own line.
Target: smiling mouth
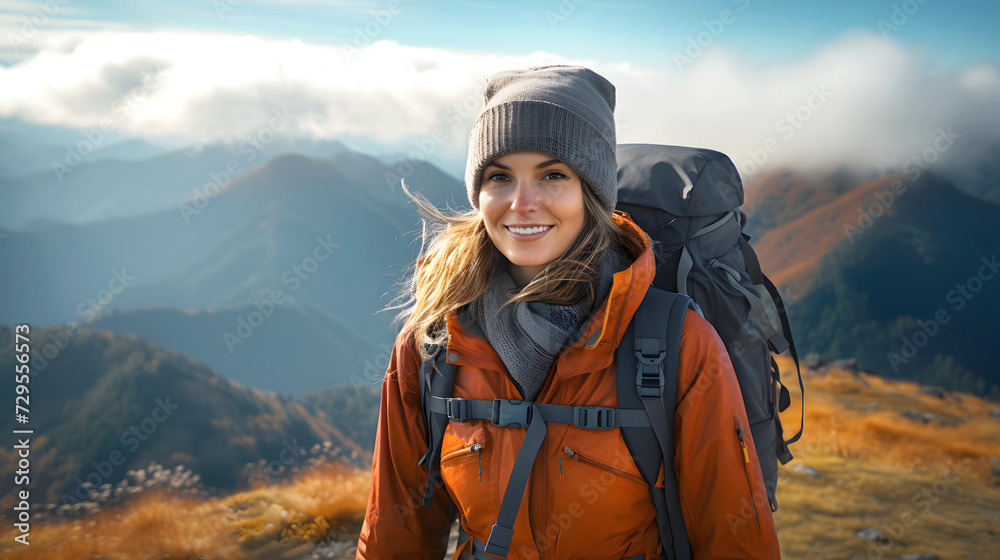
[528, 231]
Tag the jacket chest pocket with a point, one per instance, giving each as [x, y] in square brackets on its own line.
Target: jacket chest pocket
[595, 469]
[462, 454]
[601, 465]
[468, 470]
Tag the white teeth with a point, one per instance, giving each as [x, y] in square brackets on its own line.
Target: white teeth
[528, 230]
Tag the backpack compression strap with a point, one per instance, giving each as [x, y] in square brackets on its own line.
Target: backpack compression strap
[722, 229]
[795, 355]
[654, 359]
[757, 276]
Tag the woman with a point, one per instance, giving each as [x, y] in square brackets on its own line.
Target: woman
[531, 291]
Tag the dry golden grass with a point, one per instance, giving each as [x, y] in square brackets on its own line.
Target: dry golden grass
[929, 487]
[875, 466]
[278, 521]
[841, 420]
[818, 517]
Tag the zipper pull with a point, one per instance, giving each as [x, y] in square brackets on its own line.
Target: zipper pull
[569, 451]
[560, 469]
[739, 432]
[479, 447]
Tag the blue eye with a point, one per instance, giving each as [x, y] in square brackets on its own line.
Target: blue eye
[497, 176]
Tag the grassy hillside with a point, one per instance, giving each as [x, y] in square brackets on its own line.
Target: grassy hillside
[271, 523]
[107, 398]
[916, 463]
[919, 464]
[352, 408]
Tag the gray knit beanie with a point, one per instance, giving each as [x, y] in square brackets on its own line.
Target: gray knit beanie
[564, 111]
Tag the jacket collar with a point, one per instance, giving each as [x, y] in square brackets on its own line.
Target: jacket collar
[593, 351]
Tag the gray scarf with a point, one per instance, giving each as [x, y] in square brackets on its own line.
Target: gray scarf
[529, 336]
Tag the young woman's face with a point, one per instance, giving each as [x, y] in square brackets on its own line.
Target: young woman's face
[533, 208]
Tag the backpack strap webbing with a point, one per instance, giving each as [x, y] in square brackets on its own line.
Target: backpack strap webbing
[712, 231]
[757, 276]
[654, 358]
[780, 304]
[503, 530]
[775, 341]
[430, 385]
[518, 414]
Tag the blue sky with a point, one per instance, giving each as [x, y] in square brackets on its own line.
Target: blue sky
[951, 33]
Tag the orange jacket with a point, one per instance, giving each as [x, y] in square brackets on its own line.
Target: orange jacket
[594, 503]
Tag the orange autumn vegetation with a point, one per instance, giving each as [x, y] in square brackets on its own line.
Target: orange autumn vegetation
[928, 486]
[323, 504]
[873, 466]
[858, 415]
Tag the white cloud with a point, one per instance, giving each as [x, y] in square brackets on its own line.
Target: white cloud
[873, 102]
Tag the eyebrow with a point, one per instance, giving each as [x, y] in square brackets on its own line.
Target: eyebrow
[539, 166]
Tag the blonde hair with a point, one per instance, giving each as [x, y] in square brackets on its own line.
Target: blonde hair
[457, 260]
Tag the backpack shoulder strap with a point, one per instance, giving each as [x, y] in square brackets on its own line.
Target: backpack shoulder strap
[431, 385]
[651, 351]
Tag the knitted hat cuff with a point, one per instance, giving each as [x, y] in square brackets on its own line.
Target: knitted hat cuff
[540, 126]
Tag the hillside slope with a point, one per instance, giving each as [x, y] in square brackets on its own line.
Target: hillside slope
[906, 286]
[875, 452]
[109, 403]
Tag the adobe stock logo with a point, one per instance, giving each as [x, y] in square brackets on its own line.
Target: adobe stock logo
[914, 168]
[714, 28]
[899, 17]
[132, 438]
[265, 307]
[42, 17]
[959, 297]
[788, 125]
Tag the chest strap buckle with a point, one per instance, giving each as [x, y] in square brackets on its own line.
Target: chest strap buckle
[594, 417]
[511, 412]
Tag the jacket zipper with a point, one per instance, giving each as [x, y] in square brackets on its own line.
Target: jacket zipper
[474, 448]
[601, 465]
[746, 469]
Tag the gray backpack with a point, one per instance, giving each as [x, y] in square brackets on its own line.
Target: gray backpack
[687, 199]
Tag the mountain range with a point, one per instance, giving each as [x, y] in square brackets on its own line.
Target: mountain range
[225, 330]
[897, 273]
[109, 403]
[276, 281]
[280, 279]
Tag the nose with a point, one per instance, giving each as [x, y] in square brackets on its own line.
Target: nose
[525, 197]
